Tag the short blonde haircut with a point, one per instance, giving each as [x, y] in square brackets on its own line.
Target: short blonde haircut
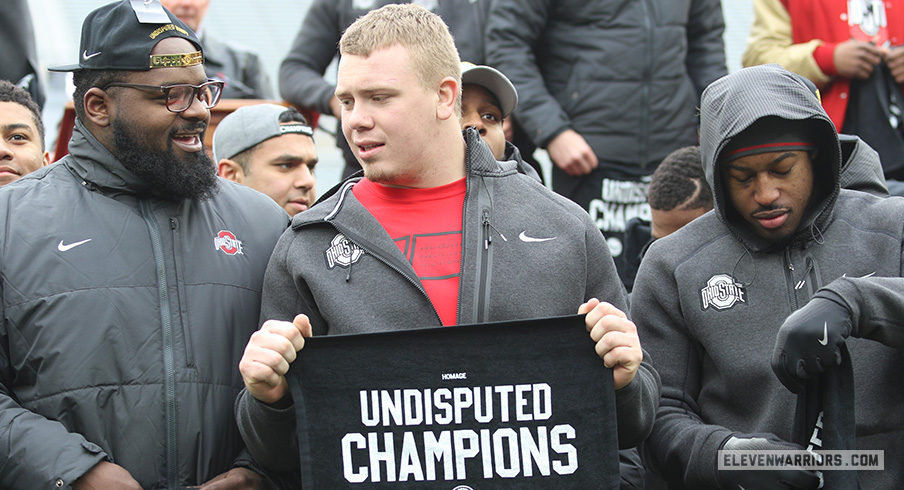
[431, 49]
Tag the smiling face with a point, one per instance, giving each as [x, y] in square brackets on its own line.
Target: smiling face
[283, 168]
[21, 149]
[163, 148]
[388, 117]
[770, 190]
[480, 110]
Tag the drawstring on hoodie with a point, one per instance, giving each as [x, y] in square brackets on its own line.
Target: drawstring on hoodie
[735, 268]
[800, 284]
[487, 225]
[817, 235]
[348, 275]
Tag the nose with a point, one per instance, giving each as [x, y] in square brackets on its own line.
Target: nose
[6, 153]
[304, 178]
[197, 110]
[356, 117]
[472, 120]
[767, 190]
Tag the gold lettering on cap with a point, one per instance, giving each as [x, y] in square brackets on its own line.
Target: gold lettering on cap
[168, 27]
[176, 60]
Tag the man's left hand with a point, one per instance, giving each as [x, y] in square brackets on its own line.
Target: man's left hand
[236, 479]
[809, 342]
[616, 339]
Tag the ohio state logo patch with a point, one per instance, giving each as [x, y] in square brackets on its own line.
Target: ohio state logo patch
[722, 292]
[342, 252]
[228, 243]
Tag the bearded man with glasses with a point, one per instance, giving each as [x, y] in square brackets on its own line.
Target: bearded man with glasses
[130, 278]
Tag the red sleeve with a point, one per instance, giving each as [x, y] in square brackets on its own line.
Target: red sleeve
[825, 58]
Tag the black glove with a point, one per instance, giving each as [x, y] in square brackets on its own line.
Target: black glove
[809, 342]
[754, 479]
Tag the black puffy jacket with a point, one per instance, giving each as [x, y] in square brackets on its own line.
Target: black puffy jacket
[625, 74]
[122, 322]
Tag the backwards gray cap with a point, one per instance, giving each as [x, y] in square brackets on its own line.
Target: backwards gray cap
[494, 81]
[252, 124]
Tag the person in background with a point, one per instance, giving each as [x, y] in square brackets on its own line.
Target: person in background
[398, 84]
[21, 134]
[122, 321]
[241, 69]
[852, 51]
[608, 88]
[269, 148]
[19, 58]
[487, 98]
[678, 194]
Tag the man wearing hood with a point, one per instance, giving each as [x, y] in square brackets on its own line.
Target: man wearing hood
[710, 300]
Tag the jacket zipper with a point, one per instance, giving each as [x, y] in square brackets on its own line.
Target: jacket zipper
[789, 279]
[172, 455]
[485, 276]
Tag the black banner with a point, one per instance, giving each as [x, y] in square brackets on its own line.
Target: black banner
[508, 405]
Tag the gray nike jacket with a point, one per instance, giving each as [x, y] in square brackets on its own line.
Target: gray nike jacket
[339, 266]
[710, 298]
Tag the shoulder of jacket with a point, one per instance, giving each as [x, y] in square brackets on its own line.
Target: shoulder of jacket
[246, 199]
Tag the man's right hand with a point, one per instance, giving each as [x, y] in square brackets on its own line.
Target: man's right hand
[268, 354]
[106, 475]
[570, 152]
[787, 478]
[856, 59]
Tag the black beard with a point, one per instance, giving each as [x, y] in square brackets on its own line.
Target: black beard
[170, 177]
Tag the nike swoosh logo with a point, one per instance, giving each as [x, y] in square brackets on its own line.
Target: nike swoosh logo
[64, 248]
[825, 334]
[86, 56]
[529, 239]
[871, 274]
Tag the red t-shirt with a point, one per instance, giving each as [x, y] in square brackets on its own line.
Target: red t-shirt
[426, 225]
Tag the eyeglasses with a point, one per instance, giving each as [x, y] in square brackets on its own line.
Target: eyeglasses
[180, 96]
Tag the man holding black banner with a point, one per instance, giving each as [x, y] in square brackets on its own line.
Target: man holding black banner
[437, 233]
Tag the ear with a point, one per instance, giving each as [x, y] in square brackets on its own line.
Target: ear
[98, 107]
[231, 170]
[448, 96]
[46, 158]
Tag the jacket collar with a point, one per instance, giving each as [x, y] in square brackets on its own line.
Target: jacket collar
[92, 162]
[479, 161]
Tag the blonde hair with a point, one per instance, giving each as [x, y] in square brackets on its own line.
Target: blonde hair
[431, 49]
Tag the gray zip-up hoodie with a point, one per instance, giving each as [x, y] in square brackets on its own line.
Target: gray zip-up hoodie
[339, 266]
[710, 298]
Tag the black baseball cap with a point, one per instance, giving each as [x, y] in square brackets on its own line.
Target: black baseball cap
[121, 35]
[770, 134]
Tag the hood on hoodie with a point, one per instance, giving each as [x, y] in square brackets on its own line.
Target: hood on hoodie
[732, 104]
